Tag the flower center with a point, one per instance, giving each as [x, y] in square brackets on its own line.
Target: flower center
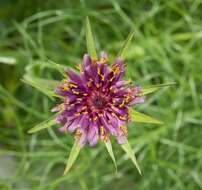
[99, 101]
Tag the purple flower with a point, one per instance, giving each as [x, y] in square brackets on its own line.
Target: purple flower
[96, 101]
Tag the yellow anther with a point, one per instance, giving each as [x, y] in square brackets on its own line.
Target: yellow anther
[113, 107]
[79, 99]
[102, 77]
[122, 104]
[98, 71]
[73, 85]
[77, 114]
[95, 118]
[111, 79]
[65, 87]
[98, 85]
[110, 87]
[122, 117]
[115, 70]
[72, 105]
[127, 98]
[85, 94]
[75, 92]
[102, 60]
[102, 129]
[84, 107]
[129, 81]
[85, 113]
[113, 114]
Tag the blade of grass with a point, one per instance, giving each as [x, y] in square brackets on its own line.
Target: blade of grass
[8, 60]
[45, 86]
[153, 88]
[43, 125]
[5, 95]
[126, 44]
[90, 41]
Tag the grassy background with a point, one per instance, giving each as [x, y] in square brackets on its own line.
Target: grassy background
[167, 47]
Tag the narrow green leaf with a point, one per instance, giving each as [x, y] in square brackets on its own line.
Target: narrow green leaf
[45, 86]
[72, 157]
[153, 88]
[90, 41]
[43, 125]
[59, 67]
[127, 148]
[142, 118]
[126, 44]
[111, 153]
[8, 60]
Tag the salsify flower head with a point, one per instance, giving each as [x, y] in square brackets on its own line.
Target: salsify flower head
[96, 101]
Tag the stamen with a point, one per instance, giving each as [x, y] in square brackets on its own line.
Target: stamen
[65, 87]
[112, 78]
[79, 99]
[102, 77]
[113, 114]
[102, 129]
[77, 114]
[122, 118]
[75, 92]
[122, 104]
[102, 60]
[73, 85]
[85, 113]
[98, 85]
[84, 107]
[98, 71]
[128, 98]
[129, 81]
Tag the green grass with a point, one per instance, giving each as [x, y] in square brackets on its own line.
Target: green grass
[167, 47]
